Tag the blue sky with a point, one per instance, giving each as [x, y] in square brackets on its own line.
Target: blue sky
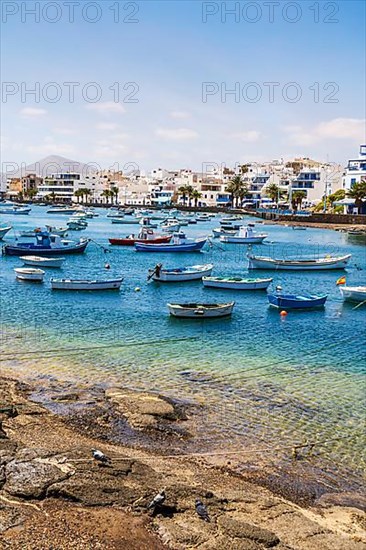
[171, 50]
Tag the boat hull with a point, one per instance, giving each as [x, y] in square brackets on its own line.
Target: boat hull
[296, 302]
[201, 311]
[69, 284]
[185, 247]
[242, 240]
[42, 262]
[29, 274]
[131, 242]
[23, 250]
[4, 231]
[236, 284]
[353, 293]
[311, 265]
[177, 276]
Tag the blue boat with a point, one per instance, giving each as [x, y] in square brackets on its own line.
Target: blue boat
[179, 243]
[293, 301]
[46, 244]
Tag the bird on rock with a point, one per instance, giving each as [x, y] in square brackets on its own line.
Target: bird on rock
[101, 457]
[202, 510]
[158, 500]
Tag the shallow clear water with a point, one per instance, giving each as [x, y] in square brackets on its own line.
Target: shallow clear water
[265, 380]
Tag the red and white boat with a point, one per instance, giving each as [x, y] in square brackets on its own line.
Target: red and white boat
[146, 235]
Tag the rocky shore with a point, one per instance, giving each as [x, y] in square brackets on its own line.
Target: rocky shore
[54, 495]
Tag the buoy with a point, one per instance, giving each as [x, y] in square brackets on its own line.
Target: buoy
[283, 313]
[107, 266]
[137, 289]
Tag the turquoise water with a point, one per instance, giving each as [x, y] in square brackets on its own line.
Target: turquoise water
[264, 380]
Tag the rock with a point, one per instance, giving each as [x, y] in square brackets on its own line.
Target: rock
[9, 517]
[240, 529]
[352, 500]
[31, 479]
[226, 543]
[142, 410]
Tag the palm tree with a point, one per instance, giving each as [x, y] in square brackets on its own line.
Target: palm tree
[358, 192]
[106, 194]
[115, 191]
[196, 195]
[184, 192]
[78, 194]
[231, 189]
[272, 191]
[241, 194]
[237, 189]
[297, 198]
[87, 193]
[189, 191]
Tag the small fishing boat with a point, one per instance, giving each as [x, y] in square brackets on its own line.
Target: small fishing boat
[201, 311]
[191, 273]
[236, 283]
[231, 226]
[115, 213]
[179, 243]
[42, 261]
[16, 210]
[218, 231]
[203, 217]
[61, 231]
[356, 232]
[147, 222]
[62, 210]
[29, 274]
[230, 219]
[48, 245]
[353, 293]
[192, 221]
[293, 301]
[329, 262]
[90, 213]
[81, 284]
[76, 225]
[170, 225]
[299, 228]
[145, 236]
[125, 221]
[245, 235]
[4, 231]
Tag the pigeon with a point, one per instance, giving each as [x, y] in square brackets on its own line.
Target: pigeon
[157, 501]
[100, 457]
[202, 510]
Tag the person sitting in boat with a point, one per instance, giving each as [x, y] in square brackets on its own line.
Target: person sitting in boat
[158, 270]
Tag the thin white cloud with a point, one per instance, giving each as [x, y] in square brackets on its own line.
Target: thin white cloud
[179, 114]
[106, 126]
[110, 148]
[338, 128]
[106, 108]
[250, 136]
[178, 134]
[64, 131]
[32, 112]
[50, 149]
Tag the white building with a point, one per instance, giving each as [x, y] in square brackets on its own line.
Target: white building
[62, 185]
[356, 170]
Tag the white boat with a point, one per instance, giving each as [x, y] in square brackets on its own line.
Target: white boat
[329, 262]
[236, 283]
[219, 231]
[42, 261]
[125, 221]
[245, 235]
[80, 284]
[191, 273]
[203, 217]
[170, 225]
[18, 210]
[353, 293]
[76, 225]
[230, 219]
[115, 213]
[201, 311]
[29, 274]
[61, 231]
[4, 231]
[299, 228]
[62, 210]
[147, 222]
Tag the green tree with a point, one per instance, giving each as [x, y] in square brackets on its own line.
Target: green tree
[237, 189]
[115, 191]
[182, 190]
[272, 191]
[358, 193]
[79, 194]
[196, 195]
[297, 198]
[87, 193]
